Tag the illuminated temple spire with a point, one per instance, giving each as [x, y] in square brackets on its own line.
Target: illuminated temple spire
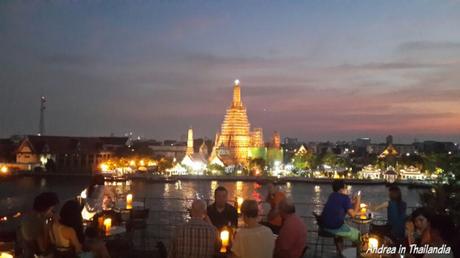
[234, 139]
[189, 150]
[237, 94]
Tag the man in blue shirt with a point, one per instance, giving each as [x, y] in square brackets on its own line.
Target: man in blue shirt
[337, 207]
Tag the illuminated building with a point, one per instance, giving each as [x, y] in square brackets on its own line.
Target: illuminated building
[276, 140]
[67, 154]
[370, 172]
[411, 173]
[189, 142]
[195, 163]
[236, 143]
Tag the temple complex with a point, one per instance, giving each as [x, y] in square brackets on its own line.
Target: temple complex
[235, 141]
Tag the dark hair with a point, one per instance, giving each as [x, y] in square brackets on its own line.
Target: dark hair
[395, 193]
[337, 185]
[250, 209]
[44, 201]
[95, 180]
[395, 196]
[423, 211]
[91, 232]
[71, 217]
[287, 206]
[220, 189]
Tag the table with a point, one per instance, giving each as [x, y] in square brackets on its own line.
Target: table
[115, 231]
[362, 223]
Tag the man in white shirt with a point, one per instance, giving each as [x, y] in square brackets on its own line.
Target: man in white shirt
[254, 240]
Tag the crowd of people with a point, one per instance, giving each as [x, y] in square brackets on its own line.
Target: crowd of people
[45, 232]
[278, 233]
[282, 235]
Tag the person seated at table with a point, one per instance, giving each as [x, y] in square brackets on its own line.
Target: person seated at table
[332, 218]
[396, 213]
[96, 197]
[292, 237]
[442, 231]
[196, 238]
[220, 212]
[34, 227]
[254, 240]
[94, 244]
[418, 226]
[274, 197]
[66, 234]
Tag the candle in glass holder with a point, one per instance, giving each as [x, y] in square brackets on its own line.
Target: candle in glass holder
[107, 225]
[373, 243]
[363, 211]
[224, 238]
[129, 201]
[5, 255]
[239, 202]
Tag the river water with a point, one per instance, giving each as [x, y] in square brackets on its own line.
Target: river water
[17, 194]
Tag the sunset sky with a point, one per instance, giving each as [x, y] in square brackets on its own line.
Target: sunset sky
[315, 70]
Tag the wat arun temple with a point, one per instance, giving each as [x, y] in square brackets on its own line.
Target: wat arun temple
[236, 143]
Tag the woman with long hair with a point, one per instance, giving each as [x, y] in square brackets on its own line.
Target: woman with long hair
[67, 233]
[396, 213]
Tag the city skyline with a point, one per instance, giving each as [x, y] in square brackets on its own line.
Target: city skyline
[335, 70]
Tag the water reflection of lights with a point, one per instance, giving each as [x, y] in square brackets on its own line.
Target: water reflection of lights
[239, 188]
[288, 185]
[317, 199]
[317, 189]
[178, 185]
[213, 186]
[166, 190]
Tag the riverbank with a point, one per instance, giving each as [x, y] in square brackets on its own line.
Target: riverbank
[257, 179]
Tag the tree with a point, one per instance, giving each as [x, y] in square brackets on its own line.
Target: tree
[444, 198]
[329, 159]
[257, 164]
[215, 169]
[164, 163]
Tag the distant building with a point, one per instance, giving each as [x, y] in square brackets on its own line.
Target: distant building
[7, 151]
[390, 175]
[429, 147]
[195, 162]
[411, 173]
[290, 141]
[362, 142]
[171, 150]
[66, 154]
[370, 172]
[236, 143]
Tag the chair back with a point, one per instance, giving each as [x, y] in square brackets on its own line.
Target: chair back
[318, 219]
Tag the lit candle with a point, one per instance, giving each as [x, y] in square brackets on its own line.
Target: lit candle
[363, 211]
[5, 255]
[239, 202]
[224, 238]
[129, 201]
[373, 243]
[107, 225]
